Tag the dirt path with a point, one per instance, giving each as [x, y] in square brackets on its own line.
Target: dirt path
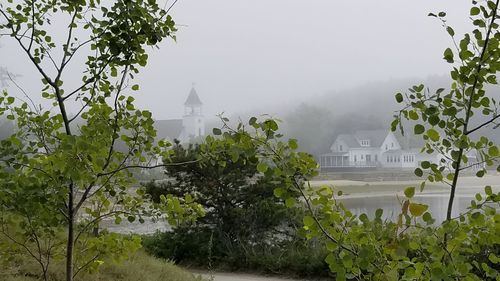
[246, 277]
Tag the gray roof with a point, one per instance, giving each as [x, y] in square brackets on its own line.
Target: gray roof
[409, 141]
[169, 129]
[376, 137]
[349, 140]
[193, 98]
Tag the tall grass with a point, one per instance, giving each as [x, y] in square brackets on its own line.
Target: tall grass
[140, 267]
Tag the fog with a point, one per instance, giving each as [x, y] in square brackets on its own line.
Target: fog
[269, 56]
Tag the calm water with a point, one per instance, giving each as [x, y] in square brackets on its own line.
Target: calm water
[438, 203]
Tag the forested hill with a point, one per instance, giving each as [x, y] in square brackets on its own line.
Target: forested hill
[316, 123]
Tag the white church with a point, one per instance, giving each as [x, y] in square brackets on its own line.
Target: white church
[188, 129]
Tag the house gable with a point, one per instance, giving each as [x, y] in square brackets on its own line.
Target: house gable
[390, 143]
[370, 138]
[339, 146]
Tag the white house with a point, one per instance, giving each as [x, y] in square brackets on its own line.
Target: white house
[373, 149]
[187, 129]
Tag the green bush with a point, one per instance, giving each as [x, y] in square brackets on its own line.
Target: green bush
[202, 248]
[238, 196]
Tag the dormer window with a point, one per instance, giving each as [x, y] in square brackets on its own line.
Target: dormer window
[365, 143]
[340, 148]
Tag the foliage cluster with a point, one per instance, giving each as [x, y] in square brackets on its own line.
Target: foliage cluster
[228, 180]
[416, 247]
[193, 247]
[366, 247]
[67, 173]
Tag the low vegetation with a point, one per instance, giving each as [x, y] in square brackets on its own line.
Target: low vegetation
[140, 266]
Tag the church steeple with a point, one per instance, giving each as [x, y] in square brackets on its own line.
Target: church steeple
[193, 121]
[193, 99]
[192, 105]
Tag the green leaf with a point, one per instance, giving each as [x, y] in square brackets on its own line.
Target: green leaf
[488, 190]
[293, 144]
[479, 197]
[399, 97]
[135, 87]
[419, 172]
[480, 173]
[433, 134]
[427, 217]
[493, 151]
[474, 11]
[217, 131]
[450, 31]
[422, 186]
[262, 167]
[410, 192]
[419, 129]
[413, 115]
[418, 209]
[308, 221]
[278, 192]
[379, 213]
[448, 55]
[290, 202]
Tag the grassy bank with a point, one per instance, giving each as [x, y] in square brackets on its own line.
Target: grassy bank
[393, 187]
[140, 266]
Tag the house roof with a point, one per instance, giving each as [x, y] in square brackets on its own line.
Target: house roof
[193, 99]
[376, 137]
[170, 129]
[349, 140]
[409, 141]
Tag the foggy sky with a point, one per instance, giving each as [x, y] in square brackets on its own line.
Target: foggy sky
[256, 54]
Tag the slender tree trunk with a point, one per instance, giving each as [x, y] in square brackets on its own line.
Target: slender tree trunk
[468, 113]
[454, 185]
[71, 237]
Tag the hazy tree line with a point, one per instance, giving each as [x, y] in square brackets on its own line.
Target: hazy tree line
[316, 123]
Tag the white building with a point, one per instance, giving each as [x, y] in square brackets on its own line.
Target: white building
[373, 149]
[187, 129]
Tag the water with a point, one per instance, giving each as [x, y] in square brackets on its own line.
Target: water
[438, 204]
[367, 202]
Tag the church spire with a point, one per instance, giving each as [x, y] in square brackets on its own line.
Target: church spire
[193, 99]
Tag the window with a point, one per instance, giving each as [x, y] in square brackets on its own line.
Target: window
[355, 158]
[392, 144]
[376, 157]
[387, 158]
[365, 143]
[340, 148]
[386, 148]
[361, 156]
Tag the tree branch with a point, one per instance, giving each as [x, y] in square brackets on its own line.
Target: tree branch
[482, 125]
